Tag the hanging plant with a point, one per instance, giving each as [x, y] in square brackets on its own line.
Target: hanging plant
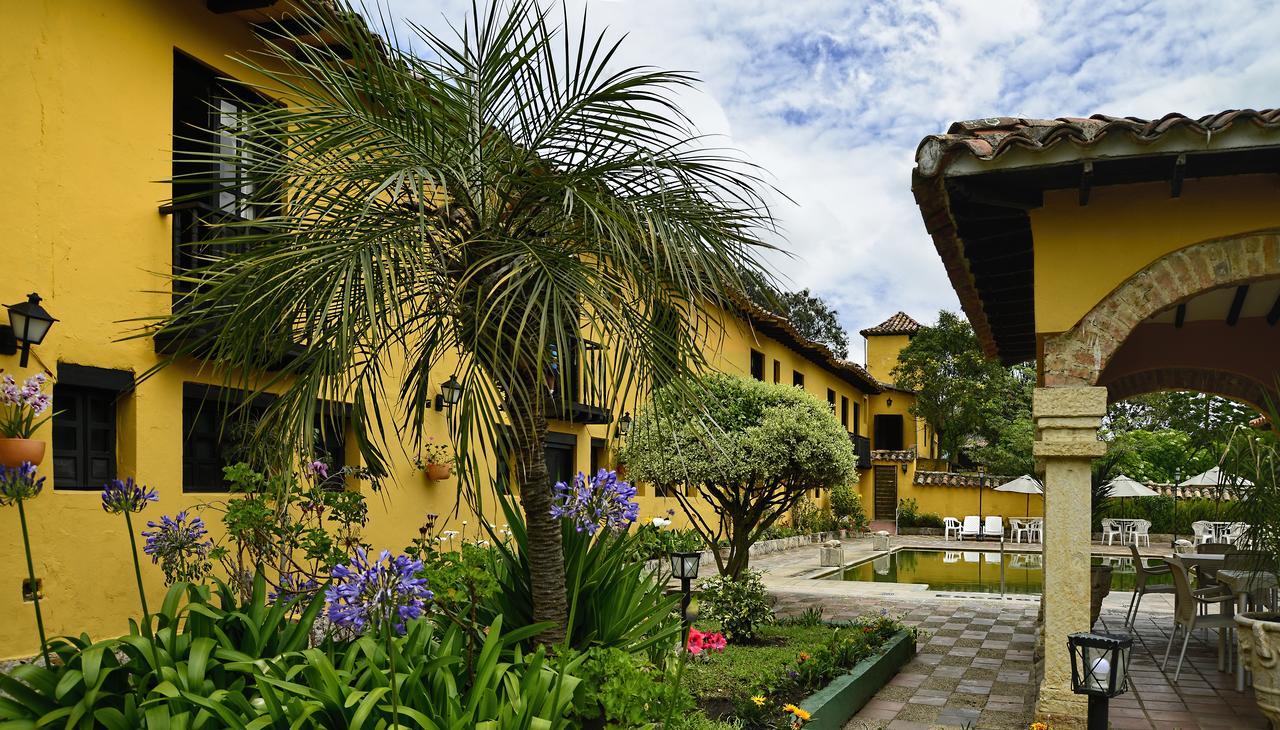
[20, 411]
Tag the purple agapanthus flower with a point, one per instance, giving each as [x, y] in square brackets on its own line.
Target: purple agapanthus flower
[179, 546]
[292, 587]
[19, 482]
[368, 595]
[119, 497]
[601, 501]
[317, 469]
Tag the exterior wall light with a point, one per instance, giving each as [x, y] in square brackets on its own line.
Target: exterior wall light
[1099, 669]
[888, 402]
[450, 393]
[624, 424]
[685, 567]
[28, 324]
[904, 467]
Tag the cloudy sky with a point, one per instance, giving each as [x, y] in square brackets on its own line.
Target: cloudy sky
[832, 97]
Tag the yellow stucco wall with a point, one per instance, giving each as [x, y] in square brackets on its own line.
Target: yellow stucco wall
[882, 355]
[1085, 252]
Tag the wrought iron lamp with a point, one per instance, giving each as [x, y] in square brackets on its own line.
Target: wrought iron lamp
[450, 393]
[685, 567]
[28, 324]
[1099, 669]
[624, 424]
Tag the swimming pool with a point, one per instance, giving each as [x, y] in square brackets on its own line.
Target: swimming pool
[973, 571]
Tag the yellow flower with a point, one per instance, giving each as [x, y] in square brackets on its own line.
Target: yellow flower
[758, 700]
[802, 714]
[1039, 726]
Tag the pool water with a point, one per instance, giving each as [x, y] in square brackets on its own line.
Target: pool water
[974, 571]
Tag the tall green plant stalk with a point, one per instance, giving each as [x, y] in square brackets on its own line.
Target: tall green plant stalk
[35, 587]
[395, 682]
[137, 572]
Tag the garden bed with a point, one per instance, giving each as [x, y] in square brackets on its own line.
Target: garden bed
[819, 672]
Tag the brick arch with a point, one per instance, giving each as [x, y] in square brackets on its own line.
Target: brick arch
[1218, 382]
[1076, 357]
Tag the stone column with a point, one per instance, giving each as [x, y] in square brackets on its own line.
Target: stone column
[1067, 421]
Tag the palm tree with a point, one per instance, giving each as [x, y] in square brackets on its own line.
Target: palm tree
[491, 201]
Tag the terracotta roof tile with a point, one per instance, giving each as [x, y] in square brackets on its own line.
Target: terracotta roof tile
[948, 479]
[898, 324]
[781, 329]
[987, 138]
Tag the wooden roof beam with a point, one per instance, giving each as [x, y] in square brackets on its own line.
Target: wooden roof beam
[1233, 314]
[234, 6]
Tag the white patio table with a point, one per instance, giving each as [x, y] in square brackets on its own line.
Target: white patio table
[1242, 583]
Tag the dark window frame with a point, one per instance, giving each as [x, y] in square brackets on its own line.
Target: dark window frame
[831, 400]
[91, 466]
[757, 365]
[844, 411]
[797, 379]
[777, 372]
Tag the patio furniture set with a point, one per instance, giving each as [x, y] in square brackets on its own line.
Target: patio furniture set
[975, 527]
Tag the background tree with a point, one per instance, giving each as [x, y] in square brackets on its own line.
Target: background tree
[751, 449]
[959, 392]
[474, 208]
[812, 317]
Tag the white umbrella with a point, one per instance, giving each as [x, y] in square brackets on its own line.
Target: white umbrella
[1025, 484]
[1214, 478]
[1123, 486]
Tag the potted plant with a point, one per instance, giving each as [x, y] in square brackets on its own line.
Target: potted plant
[436, 460]
[20, 408]
[1251, 468]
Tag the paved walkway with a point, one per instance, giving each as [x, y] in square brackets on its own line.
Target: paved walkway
[975, 665]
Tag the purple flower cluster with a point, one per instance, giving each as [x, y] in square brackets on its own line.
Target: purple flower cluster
[119, 497]
[292, 587]
[19, 482]
[31, 395]
[179, 546]
[316, 470]
[368, 595]
[601, 501]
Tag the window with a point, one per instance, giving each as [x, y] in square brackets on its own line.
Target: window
[857, 418]
[777, 372]
[797, 378]
[844, 412]
[831, 400]
[757, 365]
[84, 437]
[888, 433]
[214, 430]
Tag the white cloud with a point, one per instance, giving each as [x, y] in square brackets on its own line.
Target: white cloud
[831, 97]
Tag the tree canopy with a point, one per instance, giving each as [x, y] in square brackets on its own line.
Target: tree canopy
[812, 317]
[751, 449]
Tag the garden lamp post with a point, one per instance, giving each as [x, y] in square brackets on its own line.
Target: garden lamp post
[685, 567]
[450, 393]
[624, 424]
[1099, 669]
[28, 324]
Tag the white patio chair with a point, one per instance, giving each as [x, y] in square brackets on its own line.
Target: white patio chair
[1019, 529]
[1112, 529]
[1141, 531]
[994, 526]
[1187, 616]
[1203, 531]
[952, 528]
[1235, 533]
[1037, 530]
[972, 527]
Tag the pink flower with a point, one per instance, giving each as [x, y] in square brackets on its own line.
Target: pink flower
[695, 645]
[715, 641]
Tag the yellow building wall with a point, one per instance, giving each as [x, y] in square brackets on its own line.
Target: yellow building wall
[1084, 252]
[882, 355]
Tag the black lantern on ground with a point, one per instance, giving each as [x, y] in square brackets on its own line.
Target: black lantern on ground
[685, 567]
[28, 324]
[624, 424]
[450, 393]
[1099, 669]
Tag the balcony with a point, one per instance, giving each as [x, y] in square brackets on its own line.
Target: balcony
[862, 448]
[589, 389]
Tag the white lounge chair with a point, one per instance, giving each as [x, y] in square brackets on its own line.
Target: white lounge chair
[1112, 529]
[994, 526]
[1203, 530]
[952, 528]
[972, 527]
[970, 557]
[1141, 531]
[951, 557]
[991, 557]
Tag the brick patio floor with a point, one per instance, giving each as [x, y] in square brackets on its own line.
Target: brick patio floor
[975, 665]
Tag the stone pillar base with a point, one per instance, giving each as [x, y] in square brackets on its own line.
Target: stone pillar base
[1062, 711]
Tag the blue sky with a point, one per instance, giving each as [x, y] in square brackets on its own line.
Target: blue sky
[832, 97]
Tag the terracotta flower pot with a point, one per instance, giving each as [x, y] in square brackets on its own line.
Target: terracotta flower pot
[1259, 637]
[437, 472]
[15, 451]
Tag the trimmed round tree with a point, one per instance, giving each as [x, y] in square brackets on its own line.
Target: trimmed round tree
[749, 450]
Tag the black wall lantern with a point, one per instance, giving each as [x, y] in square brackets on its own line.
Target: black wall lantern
[450, 393]
[1099, 669]
[624, 424]
[28, 324]
[685, 567]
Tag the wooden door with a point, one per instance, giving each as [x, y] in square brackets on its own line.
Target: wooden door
[886, 487]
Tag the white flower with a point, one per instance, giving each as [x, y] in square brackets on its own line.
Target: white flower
[660, 522]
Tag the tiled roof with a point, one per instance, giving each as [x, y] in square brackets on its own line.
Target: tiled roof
[893, 455]
[781, 329]
[987, 138]
[898, 324]
[947, 479]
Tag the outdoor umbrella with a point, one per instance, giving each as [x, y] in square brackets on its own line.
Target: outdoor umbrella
[1025, 484]
[1123, 486]
[1216, 479]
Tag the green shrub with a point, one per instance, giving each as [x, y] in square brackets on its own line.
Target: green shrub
[624, 690]
[907, 511]
[846, 503]
[740, 606]
[929, 519]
